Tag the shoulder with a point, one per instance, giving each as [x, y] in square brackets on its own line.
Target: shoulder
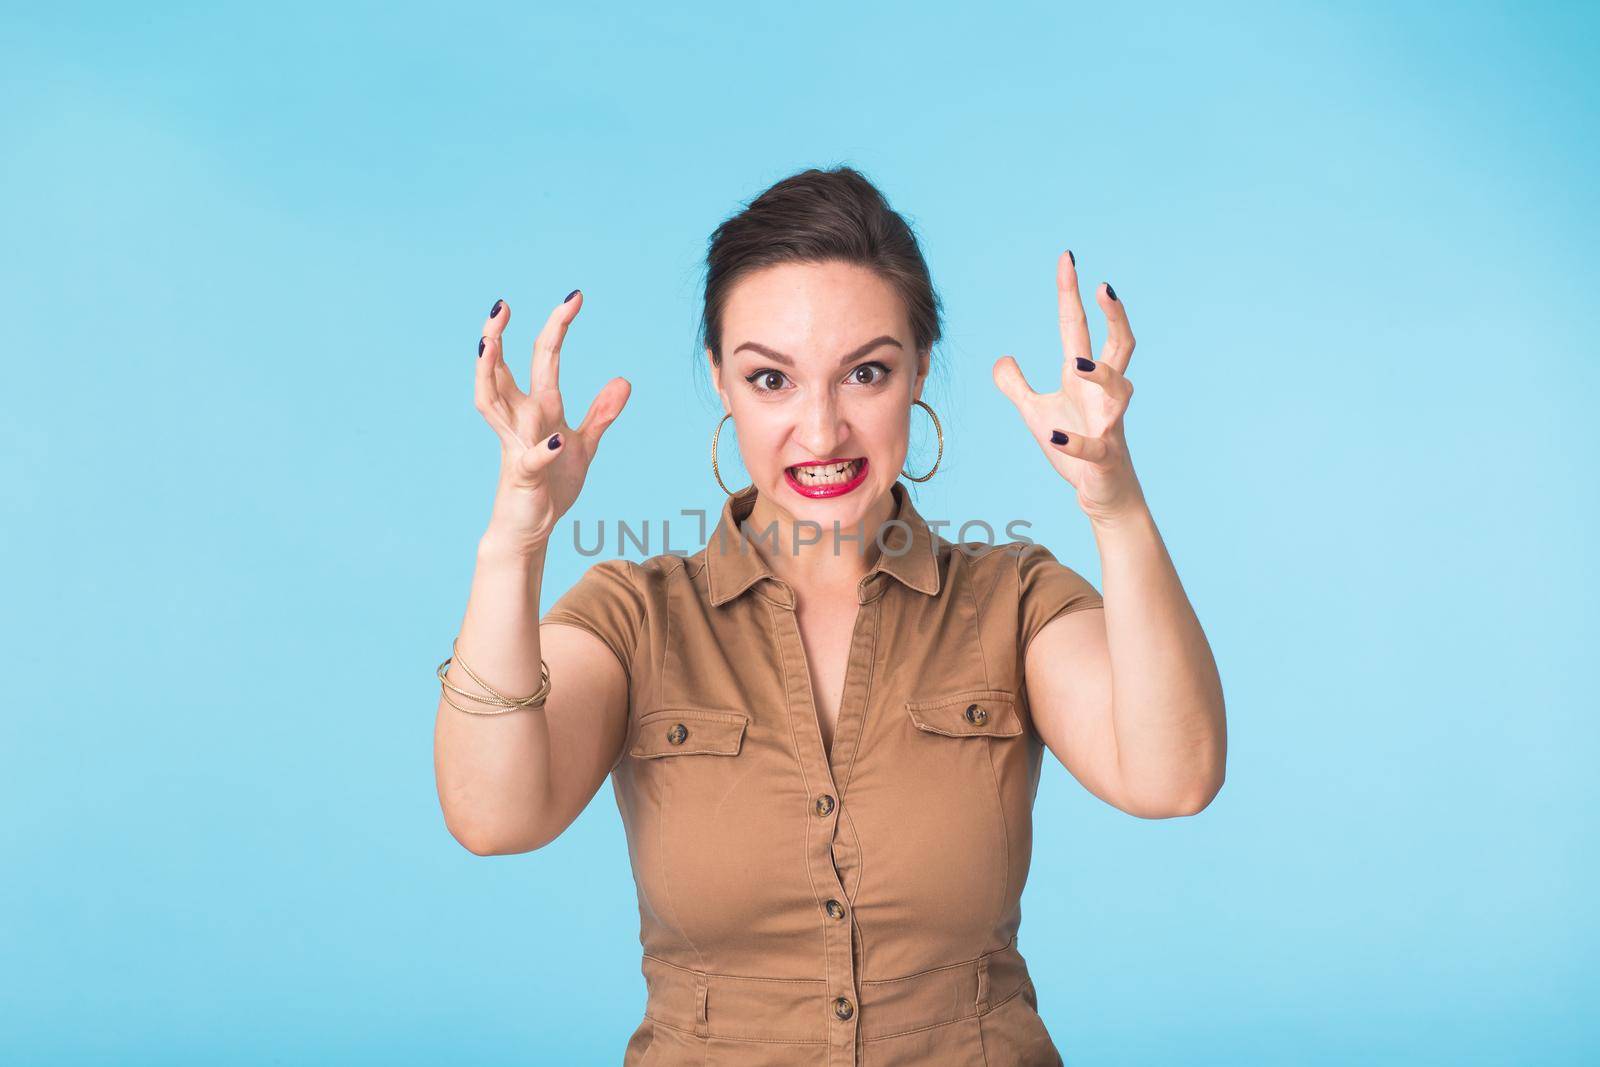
[983, 553]
[1016, 568]
[985, 558]
[646, 580]
[649, 569]
[985, 571]
[668, 567]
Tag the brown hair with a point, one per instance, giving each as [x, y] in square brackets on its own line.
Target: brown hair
[812, 217]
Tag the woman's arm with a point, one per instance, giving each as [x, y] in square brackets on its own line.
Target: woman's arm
[1129, 698]
[511, 781]
[499, 788]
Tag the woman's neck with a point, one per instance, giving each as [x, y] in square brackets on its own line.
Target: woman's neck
[822, 559]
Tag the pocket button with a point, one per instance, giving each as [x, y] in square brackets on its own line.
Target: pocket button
[976, 714]
[677, 734]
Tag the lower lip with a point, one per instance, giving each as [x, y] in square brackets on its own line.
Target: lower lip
[817, 492]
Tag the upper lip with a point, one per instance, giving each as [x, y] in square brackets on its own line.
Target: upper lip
[827, 462]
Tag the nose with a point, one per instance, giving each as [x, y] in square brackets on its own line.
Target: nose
[821, 429]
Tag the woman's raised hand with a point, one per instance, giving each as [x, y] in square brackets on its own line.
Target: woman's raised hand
[543, 461]
[1079, 426]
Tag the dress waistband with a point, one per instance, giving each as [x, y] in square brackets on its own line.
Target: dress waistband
[708, 1004]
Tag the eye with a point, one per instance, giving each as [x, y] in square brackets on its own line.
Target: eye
[871, 378]
[763, 375]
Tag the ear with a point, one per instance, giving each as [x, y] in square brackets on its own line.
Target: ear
[716, 382]
[923, 363]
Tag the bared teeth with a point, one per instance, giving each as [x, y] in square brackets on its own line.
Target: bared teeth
[837, 473]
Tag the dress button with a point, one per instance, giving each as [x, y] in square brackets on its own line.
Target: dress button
[677, 733]
[835, 909]
[824, 804]
[843, 1008]
[977, 714]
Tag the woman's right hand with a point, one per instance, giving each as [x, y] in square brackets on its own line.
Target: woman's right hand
[543, 461]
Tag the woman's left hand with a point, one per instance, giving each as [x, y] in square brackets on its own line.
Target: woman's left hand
[1088, 408]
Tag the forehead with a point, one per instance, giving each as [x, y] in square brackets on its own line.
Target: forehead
[812, 309]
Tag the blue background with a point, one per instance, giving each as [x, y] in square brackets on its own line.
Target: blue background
[248, 254]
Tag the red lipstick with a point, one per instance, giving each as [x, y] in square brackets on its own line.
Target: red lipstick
[817, 492]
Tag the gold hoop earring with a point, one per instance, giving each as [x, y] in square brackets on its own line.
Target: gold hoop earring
[715, 471]
[937, 428]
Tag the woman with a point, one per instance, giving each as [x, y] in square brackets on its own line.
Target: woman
[824, 729]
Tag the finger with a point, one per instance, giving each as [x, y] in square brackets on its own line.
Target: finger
[1069, 312]
[532, 462]
[1089, 449]
[547, 346]
[1118, 348]
[603, 411]
[487, 395]
[1106, 376]
[1009, 377]
[499, 316]
[493, 326]
[489, 346]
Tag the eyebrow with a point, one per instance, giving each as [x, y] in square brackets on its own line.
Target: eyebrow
[848, 357]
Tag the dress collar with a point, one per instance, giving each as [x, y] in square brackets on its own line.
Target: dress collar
[733, 564]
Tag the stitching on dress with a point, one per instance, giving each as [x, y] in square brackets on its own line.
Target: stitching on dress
[731, 1037]
[977, 634]
[788, 710]
[666, 883]
[866, 695]
[740, 977]
[947, 1022]
[850, 769]
[666, 644]
[934, 970]
[1005, 829]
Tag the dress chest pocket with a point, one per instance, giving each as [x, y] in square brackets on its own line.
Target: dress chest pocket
[967, 713]
[686, 731]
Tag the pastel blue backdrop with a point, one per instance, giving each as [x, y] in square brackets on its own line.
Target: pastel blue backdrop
[248, 253]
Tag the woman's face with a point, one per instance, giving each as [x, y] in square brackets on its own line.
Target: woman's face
[819, 372]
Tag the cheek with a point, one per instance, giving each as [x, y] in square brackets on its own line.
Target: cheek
[760, 439]
[881, 428]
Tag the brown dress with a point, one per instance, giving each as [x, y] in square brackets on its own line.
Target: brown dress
[857, 905]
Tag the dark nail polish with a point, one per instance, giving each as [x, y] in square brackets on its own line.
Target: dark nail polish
[570, 295]
[496, 309]
[555, 441]
[1057, 437]
[1112, 293]
[1072, 257]
[1085, 364]
[480, 347]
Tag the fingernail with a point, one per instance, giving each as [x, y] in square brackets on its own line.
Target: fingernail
[1072, 257]
[496, 309]
[1057, 437]
[1112, 293]
[1085, 364]
[555, 441]
[570, 295]
[480, 347]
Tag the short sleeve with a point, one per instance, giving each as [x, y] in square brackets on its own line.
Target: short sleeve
[607, 602]
[1046, 589]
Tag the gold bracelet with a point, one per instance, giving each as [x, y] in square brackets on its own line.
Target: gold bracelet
[496, 698]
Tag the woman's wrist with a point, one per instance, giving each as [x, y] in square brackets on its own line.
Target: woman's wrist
[502, 542]
[1131, 515]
